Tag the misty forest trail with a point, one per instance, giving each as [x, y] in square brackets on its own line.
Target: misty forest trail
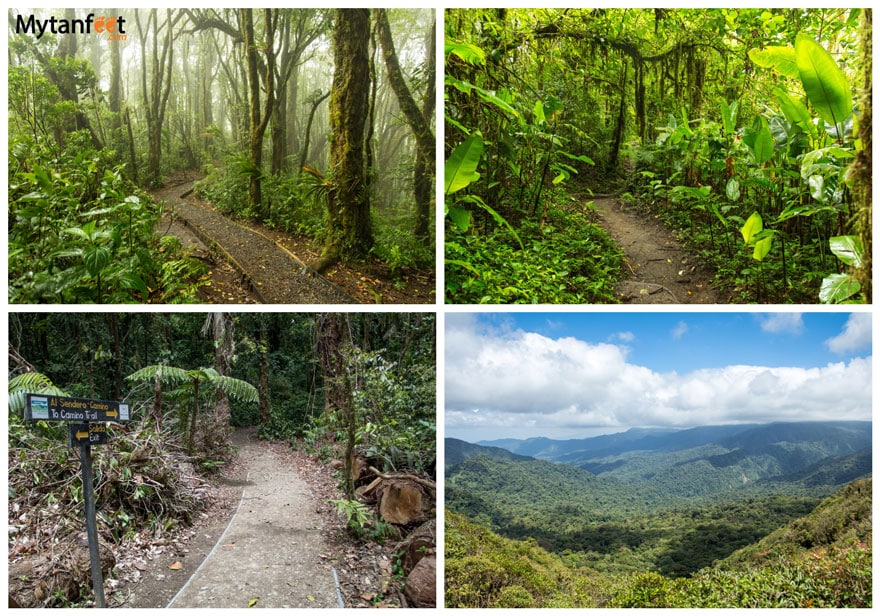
[274, 274]
[273, 552]
[658, 270]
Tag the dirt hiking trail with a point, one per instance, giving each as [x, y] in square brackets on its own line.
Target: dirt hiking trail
[657, 269]
[271, 554]
[273, 273]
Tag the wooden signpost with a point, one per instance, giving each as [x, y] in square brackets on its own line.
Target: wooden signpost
[82, 433]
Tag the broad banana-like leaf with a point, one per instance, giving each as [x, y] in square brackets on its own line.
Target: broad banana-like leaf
[460, 216]
[759, 139]
[461, 168]
[825, 84]
[795, 111]
[466, 51]
[780, 59]
[728, 116]
[540, 118]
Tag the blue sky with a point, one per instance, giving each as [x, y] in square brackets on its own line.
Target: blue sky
[566, 375]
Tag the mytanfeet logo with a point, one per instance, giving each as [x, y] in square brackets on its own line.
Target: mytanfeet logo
[112, 26]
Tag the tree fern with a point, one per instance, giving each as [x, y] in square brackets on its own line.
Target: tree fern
[166, 374]
[29, 383]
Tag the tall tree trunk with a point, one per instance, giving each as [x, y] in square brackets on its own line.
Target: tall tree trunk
[263, 387]
[259, 117]
[621, 121]
[334, 343]
[350, 234]
[155, 97]
[418, 119]
[304, 155]
[115, 94]
[222, 330]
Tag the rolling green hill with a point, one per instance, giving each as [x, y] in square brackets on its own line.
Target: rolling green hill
[822, 559]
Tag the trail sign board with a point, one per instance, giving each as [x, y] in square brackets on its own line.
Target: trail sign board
[58, 408]
[87, 434]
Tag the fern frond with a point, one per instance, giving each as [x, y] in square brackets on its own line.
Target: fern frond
[166, 374]
[238, 389]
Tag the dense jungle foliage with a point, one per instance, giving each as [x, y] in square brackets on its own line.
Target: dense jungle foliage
[251, 101]
[337, 385]
[823, 559]
[748, 131]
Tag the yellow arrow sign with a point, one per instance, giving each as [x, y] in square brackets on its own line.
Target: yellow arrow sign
[112, 413]
[82, 435]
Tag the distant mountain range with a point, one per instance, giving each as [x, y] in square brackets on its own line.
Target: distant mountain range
[657, 467]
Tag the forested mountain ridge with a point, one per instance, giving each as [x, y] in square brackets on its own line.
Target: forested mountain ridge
[458, 451]
[782, 451]
[665, 439]
[800, 565]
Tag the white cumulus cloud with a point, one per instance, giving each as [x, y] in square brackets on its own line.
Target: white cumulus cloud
[856, 334]
[503, 381]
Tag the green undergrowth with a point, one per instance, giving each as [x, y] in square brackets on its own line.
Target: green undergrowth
[297, 204]
[564, 259]
[80, 231]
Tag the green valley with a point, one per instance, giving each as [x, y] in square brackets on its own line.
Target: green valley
[820, 560]
[745, 515]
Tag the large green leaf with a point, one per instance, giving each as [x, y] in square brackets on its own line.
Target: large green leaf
[825, 84]
[728, 116]
[848, 249]
[763, 148]
[795, 111]
[753, 226]
[96, 258]
[781, 59]
[762, 248]
[461, 168]
[460, 216]
[466, 51]
[837, 288]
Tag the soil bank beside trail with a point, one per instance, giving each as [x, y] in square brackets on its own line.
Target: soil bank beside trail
[658, 269]
[272, 554]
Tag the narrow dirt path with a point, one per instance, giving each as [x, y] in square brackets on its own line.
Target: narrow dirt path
[659, 270]
[273, 553]
[275, 275]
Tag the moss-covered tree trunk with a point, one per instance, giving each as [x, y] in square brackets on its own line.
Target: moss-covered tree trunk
[418, 119]
[350, 234]
[334, 345]
[861, 169]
